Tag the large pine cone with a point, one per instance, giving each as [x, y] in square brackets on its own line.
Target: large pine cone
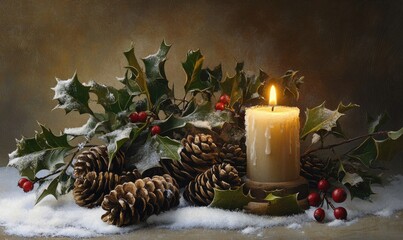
[132, 203]
[96, 159]
[313, 169]
[89, 190]
[200, 191]
[199, 153]
[234, 155]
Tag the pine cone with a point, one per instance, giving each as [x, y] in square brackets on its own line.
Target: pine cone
[313, 169]
[129, 176]
[96, 159]
[90, 189]
[234, 155]
[199, 153]
[131, 203]
[200, 191]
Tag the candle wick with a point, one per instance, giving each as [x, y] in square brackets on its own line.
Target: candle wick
[272, 108]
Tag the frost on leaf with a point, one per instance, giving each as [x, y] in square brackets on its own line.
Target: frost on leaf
[72, 95]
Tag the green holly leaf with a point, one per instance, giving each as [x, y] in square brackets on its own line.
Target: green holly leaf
[281, 206]
[57, 185]
[366, 152]
[361, 190]
[212, 77]
[320, 118]
[137, 81]
[72, 95]
[88, 130]
[193, 66]
[45, 151]
[157, 83]
[118, 137]
[232, 86]
[389, 147]
[111, 99]
[345, 108]
[230, 199]
[167, 148]
[375, 123]
[291, 83]
[254, 83]
[351, 178]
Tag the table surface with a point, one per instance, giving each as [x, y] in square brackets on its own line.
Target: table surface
[370, 227]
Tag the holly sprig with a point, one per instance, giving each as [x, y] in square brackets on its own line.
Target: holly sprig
[46, 159]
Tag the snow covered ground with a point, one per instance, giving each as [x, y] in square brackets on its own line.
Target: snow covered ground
[19, 216]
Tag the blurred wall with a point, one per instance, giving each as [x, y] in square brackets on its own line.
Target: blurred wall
[347, 50]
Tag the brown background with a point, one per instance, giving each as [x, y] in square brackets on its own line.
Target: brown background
[347, 50]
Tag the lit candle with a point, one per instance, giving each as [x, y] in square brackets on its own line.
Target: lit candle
[272, 141]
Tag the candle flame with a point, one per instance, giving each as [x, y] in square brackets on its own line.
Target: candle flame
[272, 96]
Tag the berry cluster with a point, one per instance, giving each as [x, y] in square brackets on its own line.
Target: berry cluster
[142, 116]
[315, 199]
[224, 101]
[26, 184]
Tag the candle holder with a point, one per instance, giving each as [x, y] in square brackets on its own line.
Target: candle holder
[259, 190]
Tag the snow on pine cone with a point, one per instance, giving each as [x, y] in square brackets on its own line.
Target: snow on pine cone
[200, 191]
[96, 159]
[235, 155]
[134, 202]
[89, 190]
[313, 169]
[199, 153]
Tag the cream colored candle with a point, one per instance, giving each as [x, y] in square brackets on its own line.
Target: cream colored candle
[272, 141]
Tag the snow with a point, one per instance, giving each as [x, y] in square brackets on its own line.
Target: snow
[19, 216]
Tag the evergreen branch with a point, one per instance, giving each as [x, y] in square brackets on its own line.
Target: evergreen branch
[309, 151]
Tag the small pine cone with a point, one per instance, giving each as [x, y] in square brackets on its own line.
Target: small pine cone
[131, 203]
[200, 191]
[234, 155]
[96, 159]
[313, 169]
[199, 153]
[89, 191]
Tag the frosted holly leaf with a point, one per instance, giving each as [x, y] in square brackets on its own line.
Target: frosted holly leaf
[111, 99]
[57, 185]
[72, 95]
[320, 118]
[167, 148]
[232, 86]
[88, 130]
[45, 151]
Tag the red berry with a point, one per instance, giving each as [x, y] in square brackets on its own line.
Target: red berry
[225, 99]
[314, 199]
[155, 130]
[340, 213]
[134, 117]
[323, 185]
[142, 116]
[21, 182]
[219, 106]
[28, 186]
[339, 195]
[319, 214]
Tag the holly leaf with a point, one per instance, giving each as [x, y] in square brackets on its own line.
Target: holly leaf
[111, 99]
[72, 95]
[157, 83]
[320, 118]
[137, 81]
[345, 108]
[375, 123]
[366, 152]
[281, 206]
[389, 147]
[167, 148]
[45, 151]
[352, 179]
[193, 66]
[254, 83]
[212, 77]
[291, 83]
[361, 190]
[232, 86]
[57, 185]
[230, 199]
[88, 130]
[120, 136]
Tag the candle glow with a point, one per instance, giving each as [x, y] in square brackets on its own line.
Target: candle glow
[272, 96]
